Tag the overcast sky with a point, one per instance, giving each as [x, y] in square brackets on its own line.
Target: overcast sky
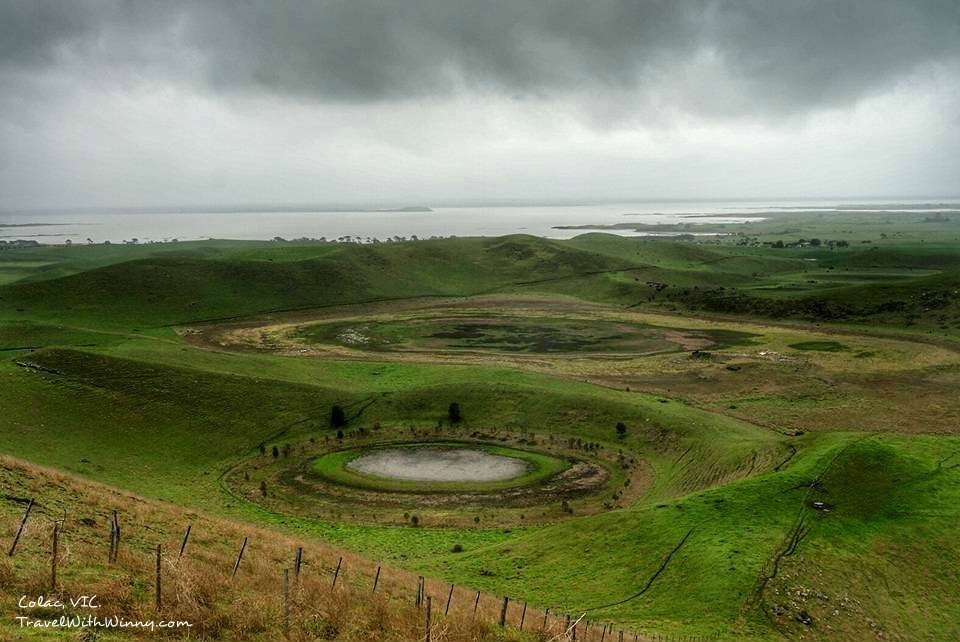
[118, 103]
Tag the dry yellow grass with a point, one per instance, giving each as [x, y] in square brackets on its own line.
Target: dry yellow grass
[201, 589]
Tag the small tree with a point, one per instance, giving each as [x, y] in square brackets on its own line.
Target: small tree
[621, 429]
[453, 413]
[337, 416]
[276, 452]
[339, 434]
[263, 488]
[263, 449]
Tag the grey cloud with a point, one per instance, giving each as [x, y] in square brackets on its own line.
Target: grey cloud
[776, 57]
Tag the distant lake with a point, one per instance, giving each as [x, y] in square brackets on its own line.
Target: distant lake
[443, 221]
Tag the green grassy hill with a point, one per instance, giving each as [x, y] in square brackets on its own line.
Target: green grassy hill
[126, 287]
[927, 303]
[170, 431]
[169, 289]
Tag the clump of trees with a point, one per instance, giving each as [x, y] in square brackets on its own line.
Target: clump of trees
[815, 242]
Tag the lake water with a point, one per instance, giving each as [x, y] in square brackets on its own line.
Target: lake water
[118, 226]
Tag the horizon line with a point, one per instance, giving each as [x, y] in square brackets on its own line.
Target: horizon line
[380, 205]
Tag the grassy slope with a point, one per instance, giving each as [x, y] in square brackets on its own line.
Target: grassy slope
[177, 289]
[178, 283]
[888, 493]
[55, 261]
[159, 410]
[167, 431]
[200, 588]
[923, 304]
[566, 566]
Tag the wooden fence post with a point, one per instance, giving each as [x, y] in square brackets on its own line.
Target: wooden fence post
[53, 556]
[503, 611]
[23, 522]
[566, 629]
[543, 627]
[186, 536]
[286, 603]
[116, 537]
[336, 573]
[159, 601]
[476, 602]
[523, 615]
[296, 564]
[376, 580]
[243, 547]
[427, 637]
[449, 597]
[603, 633]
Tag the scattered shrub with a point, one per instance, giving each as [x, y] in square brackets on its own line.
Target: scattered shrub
[453, 413]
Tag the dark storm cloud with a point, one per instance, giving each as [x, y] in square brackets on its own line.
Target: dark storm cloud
[779, 57]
